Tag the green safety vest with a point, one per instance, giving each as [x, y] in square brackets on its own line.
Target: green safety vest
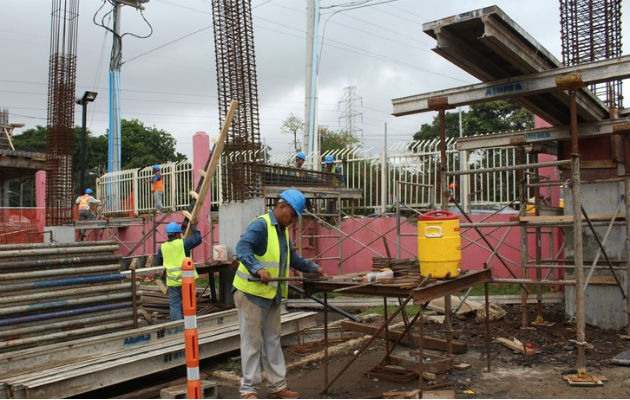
[173, 255]
[270, 261]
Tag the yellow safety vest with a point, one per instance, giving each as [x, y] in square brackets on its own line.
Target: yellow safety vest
[172, 255]
[84, 202]
[270, 261]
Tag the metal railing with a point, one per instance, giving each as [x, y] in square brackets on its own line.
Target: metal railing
[128, 192]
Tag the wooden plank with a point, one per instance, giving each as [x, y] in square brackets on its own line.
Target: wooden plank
[435, 366]
[212, 165]
[393, 334]
[515, 346]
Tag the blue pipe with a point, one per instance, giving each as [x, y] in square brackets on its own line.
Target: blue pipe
[64, 313]
[60, 282]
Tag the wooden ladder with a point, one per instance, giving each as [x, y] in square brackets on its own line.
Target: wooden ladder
[199, 194]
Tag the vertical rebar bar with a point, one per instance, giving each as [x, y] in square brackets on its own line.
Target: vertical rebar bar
[61, 102]
[236, 79]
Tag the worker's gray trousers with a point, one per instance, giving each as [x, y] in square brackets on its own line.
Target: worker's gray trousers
[260, 330]
[157, 196]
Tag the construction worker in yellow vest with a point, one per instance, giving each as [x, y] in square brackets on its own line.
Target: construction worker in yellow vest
[265, 253]
[84, 201]
[170, 255]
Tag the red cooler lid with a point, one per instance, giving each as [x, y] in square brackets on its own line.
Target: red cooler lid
[437, 215]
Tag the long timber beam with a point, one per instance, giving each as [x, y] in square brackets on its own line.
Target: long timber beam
[596, 72]
[539, 135]
[98, 372]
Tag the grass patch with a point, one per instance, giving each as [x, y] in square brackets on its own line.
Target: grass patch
[229, 365]
[411, 310]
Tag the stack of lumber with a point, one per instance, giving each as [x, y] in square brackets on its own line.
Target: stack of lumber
[72, 368]
[401, 266]
[61, 291]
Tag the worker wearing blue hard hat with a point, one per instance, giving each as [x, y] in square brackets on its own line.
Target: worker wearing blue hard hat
[171, 254]
[157, 187]
[266, 253]
[84, 203]
[300, 158]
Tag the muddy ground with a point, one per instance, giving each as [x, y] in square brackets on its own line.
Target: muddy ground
[511, 376]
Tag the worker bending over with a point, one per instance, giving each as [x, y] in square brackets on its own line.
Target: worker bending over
[84, 203]
[170, 255]
[265, 252]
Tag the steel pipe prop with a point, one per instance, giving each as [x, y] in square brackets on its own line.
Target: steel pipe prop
[500, 224]
[63, 313]
[64, 292]
[508, 168]
[64, 334]
[533, 281]
[61, 282]
[55, 251]
[13, 331]
[63, 303]
[56, 272]
[53, 262]
[23, 246]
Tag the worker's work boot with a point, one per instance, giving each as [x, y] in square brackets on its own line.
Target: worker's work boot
[248, 396]
[285, 393]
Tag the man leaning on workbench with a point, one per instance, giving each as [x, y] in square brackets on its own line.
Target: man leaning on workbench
[265, 253]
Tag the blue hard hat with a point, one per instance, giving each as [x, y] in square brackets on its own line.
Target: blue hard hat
[88, 191]
[296, 200]
[329, 159]
[301, 156]
[156, 167]
[173, 227]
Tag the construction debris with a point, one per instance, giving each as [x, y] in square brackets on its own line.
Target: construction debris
[410, 394]
[496, 313]
[516, 345]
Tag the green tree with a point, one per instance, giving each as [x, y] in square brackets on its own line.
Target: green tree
[494, 116]
[292, 126]
[335, 140]
[142, 145]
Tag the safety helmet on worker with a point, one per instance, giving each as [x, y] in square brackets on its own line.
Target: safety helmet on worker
[329, 159]
[295, 199]
[173, 228]
[301, 156]
[156, 167]
[88, 191]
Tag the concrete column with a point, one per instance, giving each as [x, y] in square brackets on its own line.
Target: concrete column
[201, 153]
[40, 199]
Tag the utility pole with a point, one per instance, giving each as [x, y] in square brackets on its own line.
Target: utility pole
[311, 142]
[114, 141]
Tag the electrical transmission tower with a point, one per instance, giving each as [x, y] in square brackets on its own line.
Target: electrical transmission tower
[349, 112]
[236, 80]
[591, 31]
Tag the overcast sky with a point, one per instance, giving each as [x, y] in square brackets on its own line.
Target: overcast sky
[380, 49]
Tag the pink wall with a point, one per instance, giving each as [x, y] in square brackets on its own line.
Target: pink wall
[474, 251]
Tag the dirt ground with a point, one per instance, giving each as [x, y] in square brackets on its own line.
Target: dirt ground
[511, 376]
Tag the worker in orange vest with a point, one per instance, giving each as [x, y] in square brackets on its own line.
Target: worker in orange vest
[84, 201]
[157, 187]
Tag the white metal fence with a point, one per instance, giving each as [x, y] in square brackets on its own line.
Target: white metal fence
[415, 164]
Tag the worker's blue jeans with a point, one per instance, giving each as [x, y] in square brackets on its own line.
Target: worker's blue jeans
[175, 302]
